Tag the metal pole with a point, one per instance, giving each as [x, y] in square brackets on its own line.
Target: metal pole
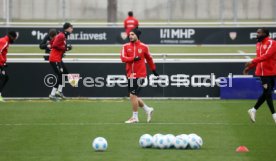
[63, 10]
[274, 16]
[168, 11]
[235, 11]
[221, 11]
[6, 10]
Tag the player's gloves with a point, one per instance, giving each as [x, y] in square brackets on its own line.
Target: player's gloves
[68, 47]
[137, 58]
[155, 73]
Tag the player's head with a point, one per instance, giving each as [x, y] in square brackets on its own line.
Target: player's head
[130, 13]
[262, 33]
[134, 35]
[12, 36]
[52, 33]
[68, 27]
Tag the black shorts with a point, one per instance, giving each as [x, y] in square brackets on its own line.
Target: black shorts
[59, 68]
[2, 71]
[135, 85]
[269, 80]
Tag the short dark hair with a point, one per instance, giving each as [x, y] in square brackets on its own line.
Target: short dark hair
[130, 13]
[12, 34]
[265, 30]
[66, 25]
[52, 32]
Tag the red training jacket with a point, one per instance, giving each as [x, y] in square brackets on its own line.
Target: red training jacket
[136, 69]
[130, 23]
[58, 48]
[265, 61]
[4, 45]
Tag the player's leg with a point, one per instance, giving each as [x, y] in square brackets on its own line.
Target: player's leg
[146, 108]
[269, 99]
[64, 73]
[56, 68]
[3, 81]
[260, 101]
[132, 87]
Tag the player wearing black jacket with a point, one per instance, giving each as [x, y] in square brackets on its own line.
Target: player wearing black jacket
[46, 42]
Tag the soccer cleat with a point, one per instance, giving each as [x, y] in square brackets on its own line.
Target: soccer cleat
[53, 98]
[60, 95]
[252, 115]
[274, 117]
[149, 114]
[2, 99]
[132, 120]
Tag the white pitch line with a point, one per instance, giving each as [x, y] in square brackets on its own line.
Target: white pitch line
[242, 52]
[97, 124]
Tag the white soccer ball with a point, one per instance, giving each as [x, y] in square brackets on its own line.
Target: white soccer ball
[162, 142]
[170, 140]
[181, 141]
[99, 144]
[146, 141]
[195, 141]
[155, 140]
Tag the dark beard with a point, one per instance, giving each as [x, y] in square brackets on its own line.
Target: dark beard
[260, 38]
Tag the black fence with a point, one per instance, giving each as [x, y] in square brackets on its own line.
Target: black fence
[104, 79]
[150, 35]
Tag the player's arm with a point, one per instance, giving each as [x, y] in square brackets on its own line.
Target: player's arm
[137, 23]
[124, 56]
[268, 54]
[150, 62]
[125, 24]
[59, 43]
[2, 47]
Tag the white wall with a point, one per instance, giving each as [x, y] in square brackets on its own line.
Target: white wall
[143, 9]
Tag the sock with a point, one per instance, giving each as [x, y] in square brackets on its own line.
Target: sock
[146, 107]
[135, 115]
[60, 88]
[54, 90]
[253, 109]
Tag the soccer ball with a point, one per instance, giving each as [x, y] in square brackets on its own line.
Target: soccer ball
[181, 141]
[155, 140]
[195, 141]
[146, 141]
[99, 144]
[170, 140]
[162, 142]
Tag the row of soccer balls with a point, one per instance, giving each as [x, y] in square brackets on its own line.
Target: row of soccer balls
[183, 141]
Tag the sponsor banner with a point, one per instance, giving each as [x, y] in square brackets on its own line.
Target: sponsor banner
[150, 35]
[108, 80]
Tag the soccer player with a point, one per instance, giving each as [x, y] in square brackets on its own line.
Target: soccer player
[47, 41]
[133, 54]
[265, 64]
[58, 48]
[4, 46]
[130, 23]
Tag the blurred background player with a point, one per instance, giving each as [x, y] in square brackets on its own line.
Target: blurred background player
[130, 23]
[59, 47]
[47, 41]
[133, 54]
[265, 64]
[4, 46]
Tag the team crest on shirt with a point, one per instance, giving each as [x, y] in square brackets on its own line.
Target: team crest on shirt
[264, 46]
[140, 51]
